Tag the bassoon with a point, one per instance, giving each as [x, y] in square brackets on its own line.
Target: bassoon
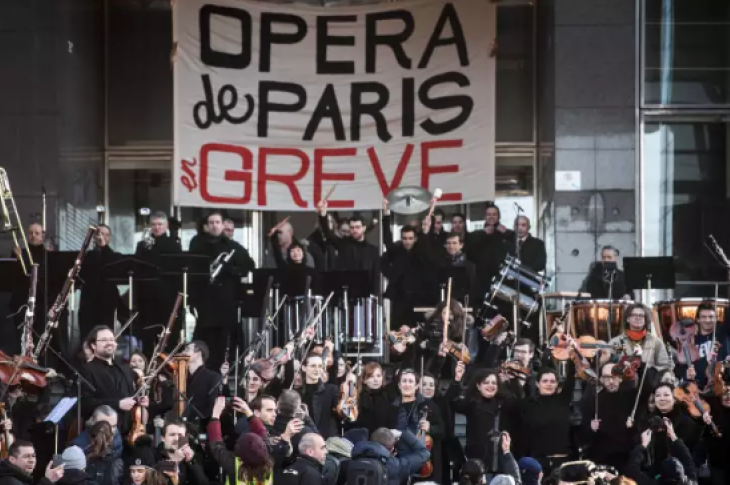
[27, 339]
[62, 299]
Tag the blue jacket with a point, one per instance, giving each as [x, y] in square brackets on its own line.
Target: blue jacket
[83, 441]
[412, 454]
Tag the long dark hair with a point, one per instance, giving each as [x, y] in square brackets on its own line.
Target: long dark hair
[456, 325]
[101, 440]
[256, 474]
[472, 391]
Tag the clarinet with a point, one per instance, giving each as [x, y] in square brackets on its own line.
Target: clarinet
[27, 339]
[62, 299]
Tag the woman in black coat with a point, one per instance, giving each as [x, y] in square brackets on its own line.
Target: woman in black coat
[375, 399]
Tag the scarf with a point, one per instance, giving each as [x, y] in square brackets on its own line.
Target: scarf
[636, 336]
[458, 259]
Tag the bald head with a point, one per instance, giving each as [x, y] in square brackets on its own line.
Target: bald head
[35, 234]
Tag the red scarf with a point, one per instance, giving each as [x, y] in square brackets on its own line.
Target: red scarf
[636, 336]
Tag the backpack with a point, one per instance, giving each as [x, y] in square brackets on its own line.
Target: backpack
[367, 471]
[105, 471]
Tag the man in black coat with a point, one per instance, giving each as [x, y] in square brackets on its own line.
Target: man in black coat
[201, 389]
[175, 448]
[410, 267]
[457, 258]
[100, 300]
[532, 250]
[156, 299]
[307, 470]
[605, 280]
[19, 466]
[216, 303]
[488, 248]
[113, 383]
[353, 251]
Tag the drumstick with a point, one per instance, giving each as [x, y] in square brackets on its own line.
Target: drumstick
[329, 193]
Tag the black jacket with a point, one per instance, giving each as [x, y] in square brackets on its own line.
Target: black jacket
[304, 471]
[99, 297]
[487, 252]
[532, 253]
[190, 472]
[374, 409]
[76, 477]
[112, 383]
[216, 303]
[199, 397]
[640, 469]
[12, 475]
[324, 400]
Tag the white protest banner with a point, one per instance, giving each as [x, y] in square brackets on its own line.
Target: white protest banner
[275, 104]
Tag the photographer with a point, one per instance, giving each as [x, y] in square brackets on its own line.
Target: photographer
[677, 467]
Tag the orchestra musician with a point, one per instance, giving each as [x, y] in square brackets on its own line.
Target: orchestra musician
[456, 257]
[637, 339]
[229, 227]
[201, 384]
[353, 251]
[281, 244]
[706, 320]
[532, 250]
[488, 248]
[100, 300]
[410, 267]
[114, 382]
[155, 298]
[605, 280]
[216, 303]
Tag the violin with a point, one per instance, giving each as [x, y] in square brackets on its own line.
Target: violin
[458, 351]
[627, 367]
[688, 393]
[719, 372]
[683, 332]
[347, 406]
[515, 369]
[6, 435]
[268, 367]
[425, 438]
[140, 416]
[23, 371]
[397, 337]
[492, 328]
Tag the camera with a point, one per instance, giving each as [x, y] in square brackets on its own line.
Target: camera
[656, 425]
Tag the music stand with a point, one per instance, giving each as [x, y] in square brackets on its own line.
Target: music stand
[14, 279]
[650, 273]
[188, 265]
[125, 271]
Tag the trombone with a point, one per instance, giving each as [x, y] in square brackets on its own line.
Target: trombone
[11, 219]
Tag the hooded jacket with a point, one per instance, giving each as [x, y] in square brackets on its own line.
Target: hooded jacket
[412, 454]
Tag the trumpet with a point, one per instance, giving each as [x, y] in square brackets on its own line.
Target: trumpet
[11, 219]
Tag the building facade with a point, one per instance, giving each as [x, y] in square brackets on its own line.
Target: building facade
[611, 125]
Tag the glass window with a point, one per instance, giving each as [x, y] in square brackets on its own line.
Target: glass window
[685, 187]
[515, 58]
[687, 52]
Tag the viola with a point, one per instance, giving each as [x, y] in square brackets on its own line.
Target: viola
[492, 328]
[719, 372]
[683, 332]
[560, 347]
[589, 346]
[140, 416]
[688, 393]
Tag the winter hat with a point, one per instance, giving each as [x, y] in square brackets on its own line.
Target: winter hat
[672, 471]
[74, 458]
[251, 450]
[530, 470]
[142, 453]
[502, 480]
[339, 446]
[357, 435]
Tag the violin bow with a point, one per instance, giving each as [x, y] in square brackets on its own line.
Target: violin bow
[641, 385]
[448, 312]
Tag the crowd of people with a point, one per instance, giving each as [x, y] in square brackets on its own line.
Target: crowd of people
[636, 409]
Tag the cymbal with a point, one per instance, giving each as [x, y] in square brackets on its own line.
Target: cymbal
[409, 200]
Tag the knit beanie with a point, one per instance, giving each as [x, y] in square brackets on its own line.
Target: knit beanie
[672, 471]
[251, 450]
[502, 480]
[74, 458]
[339, 446]
[142, 453]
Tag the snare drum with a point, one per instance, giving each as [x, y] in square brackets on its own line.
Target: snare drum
[297, 311]
[362, 320]
[517, 282]
[671, 311]
[590, 317]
